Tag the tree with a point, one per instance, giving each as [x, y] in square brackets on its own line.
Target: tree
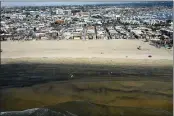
[136, 36]
[37, 16]
[27, 14]
[168, 21]
[34, 29]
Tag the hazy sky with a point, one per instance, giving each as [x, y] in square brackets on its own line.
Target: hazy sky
[67, 2]
[48, 3]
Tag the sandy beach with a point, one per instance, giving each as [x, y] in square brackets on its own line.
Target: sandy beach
[119, 49]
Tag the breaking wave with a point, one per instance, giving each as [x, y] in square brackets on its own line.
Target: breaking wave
[85, 108]
[36, 112]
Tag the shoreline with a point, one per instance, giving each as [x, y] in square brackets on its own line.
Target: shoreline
[31, 71]
[90, 61]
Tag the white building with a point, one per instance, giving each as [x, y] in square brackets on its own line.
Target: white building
[67, 12]
[59, 11]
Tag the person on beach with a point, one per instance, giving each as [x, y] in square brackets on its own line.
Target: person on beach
[139, 47]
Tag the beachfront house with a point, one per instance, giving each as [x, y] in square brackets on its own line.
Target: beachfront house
[113, 34]
[77, 33]
[137, 33]
[101, 34]
[91, 33]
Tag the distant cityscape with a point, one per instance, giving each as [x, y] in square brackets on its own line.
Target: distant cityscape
[151, 21]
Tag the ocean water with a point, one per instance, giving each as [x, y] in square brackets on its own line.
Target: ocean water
[141, 4]
[36, 112]
[85, 108]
